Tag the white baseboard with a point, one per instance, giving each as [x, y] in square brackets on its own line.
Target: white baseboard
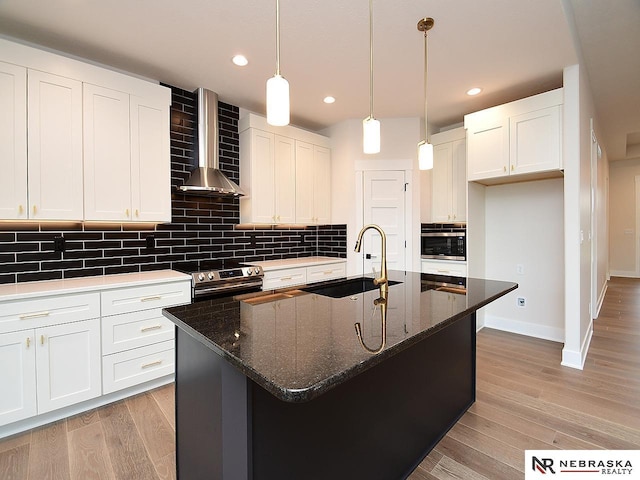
[554, 334]
[575, 359]
[601, 299]
[623, 273]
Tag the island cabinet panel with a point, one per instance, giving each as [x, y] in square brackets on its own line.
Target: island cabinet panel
[380, 424]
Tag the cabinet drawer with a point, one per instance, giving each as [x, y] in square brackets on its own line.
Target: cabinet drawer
[133, 330]
[284, 278]
[318, 273]
[126, 300]
[453, 269]
[46, 311]
[126, 369]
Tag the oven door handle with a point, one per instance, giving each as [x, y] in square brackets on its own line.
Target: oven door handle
[234, 286]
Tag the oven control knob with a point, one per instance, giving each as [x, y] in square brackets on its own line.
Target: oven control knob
[201, 277]
[210, 275]
[256, 271]
[249, 271]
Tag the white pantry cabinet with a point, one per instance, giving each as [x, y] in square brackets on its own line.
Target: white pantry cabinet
[517, 141]
[267, 174]
[286, 173]
[313, 183]
[13, 142]
[449, 176]
[67, 131]
[46, 182]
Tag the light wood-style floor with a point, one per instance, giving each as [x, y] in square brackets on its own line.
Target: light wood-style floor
[525, 400]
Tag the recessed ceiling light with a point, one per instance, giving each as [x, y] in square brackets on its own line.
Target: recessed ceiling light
[474, 91]
[240, 60]
[329, 99]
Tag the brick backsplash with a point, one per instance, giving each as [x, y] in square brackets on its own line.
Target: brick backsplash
[201, 228]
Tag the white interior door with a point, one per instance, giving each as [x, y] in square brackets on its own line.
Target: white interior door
[384, 205]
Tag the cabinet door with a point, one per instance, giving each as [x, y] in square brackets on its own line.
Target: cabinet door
[459, 181]
[535, 141]
[285, 180]
[262, 177]
[304, 182]
[441, 202]
[150, 161]
[322, 185]
[68, 364]
[55, 147]
[17, 376]
[488, 149]
[13, 141]
[107, 189]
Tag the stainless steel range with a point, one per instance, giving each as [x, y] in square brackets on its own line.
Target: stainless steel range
[208, 281]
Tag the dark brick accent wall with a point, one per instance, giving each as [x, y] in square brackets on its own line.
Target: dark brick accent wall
[202, 227]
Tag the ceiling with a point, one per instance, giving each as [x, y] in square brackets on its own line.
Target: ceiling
[510, 48]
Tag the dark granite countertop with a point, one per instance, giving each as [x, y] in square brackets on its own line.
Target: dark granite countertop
[298, 344]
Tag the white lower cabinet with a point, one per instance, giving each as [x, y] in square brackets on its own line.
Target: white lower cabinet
[288, 277]
[59, 355]
[132, 367]
[67, 364]
[17, 376]
[442, 267]
[321, 273]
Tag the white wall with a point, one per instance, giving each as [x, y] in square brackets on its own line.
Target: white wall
[578, 113]
[524, 226]
[622, 212]
[398, 148]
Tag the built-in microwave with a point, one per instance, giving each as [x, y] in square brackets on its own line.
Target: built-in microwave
[444, 245]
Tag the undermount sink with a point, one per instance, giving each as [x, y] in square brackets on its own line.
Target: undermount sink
[345, 288]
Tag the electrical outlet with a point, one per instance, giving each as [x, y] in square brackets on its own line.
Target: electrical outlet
[59, 244]
[520, 269]
[522, 302]
[150, 242]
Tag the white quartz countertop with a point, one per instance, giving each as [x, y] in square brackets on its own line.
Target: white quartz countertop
[27, 290]
[296, 262]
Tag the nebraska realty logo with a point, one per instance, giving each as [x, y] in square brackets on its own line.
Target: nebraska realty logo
[582, 464]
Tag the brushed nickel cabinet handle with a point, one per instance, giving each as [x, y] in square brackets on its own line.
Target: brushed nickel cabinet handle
[151, 364]
[150, 299]
[151, 327]
[28, 316]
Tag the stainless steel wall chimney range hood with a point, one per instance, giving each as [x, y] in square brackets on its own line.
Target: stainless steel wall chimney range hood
[207, 179]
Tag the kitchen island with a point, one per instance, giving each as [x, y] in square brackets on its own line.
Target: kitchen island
[283, 384]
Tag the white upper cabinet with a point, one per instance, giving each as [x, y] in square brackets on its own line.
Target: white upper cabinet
[267, 174]
[80, 142]
[517, 141]
[125, 151]
[313, 183]
[150, 160]
[286, 175]
[13, 141]
[55, 147]
[449, 176]
[106, 154]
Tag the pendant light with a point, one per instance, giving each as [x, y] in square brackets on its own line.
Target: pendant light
[277, 87]
[425, 149]
[370, 126]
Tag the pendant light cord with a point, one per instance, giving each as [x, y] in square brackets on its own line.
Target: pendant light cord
[426, 128]
[370, 58]
[277, 37]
